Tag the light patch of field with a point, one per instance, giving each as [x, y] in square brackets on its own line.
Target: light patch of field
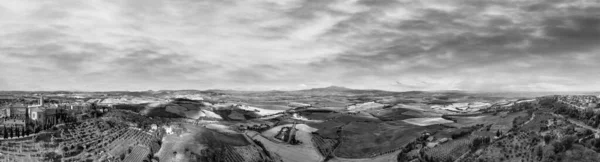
[365, 106]
[187, 112]
[270, 105]
[220, 128]
[529, 100]
[298, 104]
[303, 130]
[270, 117]
[413, 106]
[304, 152]
[174, 142]
[259, 111]
[130, 100]
[210, 114]
[195, 139]
[480, 105]
[300, 117]
[223, 105]
[427, 121]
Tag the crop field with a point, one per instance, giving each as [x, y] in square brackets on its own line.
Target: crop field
[360, 117]
[260, 111]
[208, 136]
[391, 114]
[178, 143]
[269, 105]
[538, 121]
[365, 139]
[414, 106]
[236, 114]
[392, 156]
[327, 129]
[318, 115]
[305, 152]
[513, 148]
[427, 121]
[249, 153]
[270, 134]
[131, 107]
[325, 145]
[196, 140]
[331, 103]
[449, 151]
[501, 122]
[178, 108]
[160, 112]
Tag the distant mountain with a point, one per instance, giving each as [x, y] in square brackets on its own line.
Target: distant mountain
[330, 88]
[337, 90]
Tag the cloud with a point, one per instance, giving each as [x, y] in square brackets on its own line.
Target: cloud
[460, 40]
[280, 44]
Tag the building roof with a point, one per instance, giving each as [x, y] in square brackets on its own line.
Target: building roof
[14, 121]
[18, 105]
[50, 111]
[36, 109]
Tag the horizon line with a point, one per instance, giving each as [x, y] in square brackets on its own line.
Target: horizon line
[291, 90]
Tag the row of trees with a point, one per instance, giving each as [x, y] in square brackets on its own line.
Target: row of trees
[22, 131]
[12, 132]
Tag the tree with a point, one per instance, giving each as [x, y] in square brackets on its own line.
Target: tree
[539, 152]
[568, 141]
[5, 133]
[11, 131]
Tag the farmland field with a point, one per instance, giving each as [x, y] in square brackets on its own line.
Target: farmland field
[195, 140]
[363, 139]
[449, 151]
[427, 121]
[391, 114]
[305, 152]
[502, 121]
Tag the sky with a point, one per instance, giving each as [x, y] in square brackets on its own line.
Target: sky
[396, 45]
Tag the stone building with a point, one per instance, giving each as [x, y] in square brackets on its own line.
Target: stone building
[17, 111]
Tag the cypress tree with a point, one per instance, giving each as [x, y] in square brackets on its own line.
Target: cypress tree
[5, 133]
[17, 132]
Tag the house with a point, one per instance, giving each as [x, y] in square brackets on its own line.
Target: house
[17, 110]
[14, 123]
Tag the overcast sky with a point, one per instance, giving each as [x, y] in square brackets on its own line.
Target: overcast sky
[476, 45]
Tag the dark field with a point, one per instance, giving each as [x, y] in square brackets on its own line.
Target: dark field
[363, 139]
[391, 114]
[216, 138]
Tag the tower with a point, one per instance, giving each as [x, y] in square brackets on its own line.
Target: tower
[41, 102]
